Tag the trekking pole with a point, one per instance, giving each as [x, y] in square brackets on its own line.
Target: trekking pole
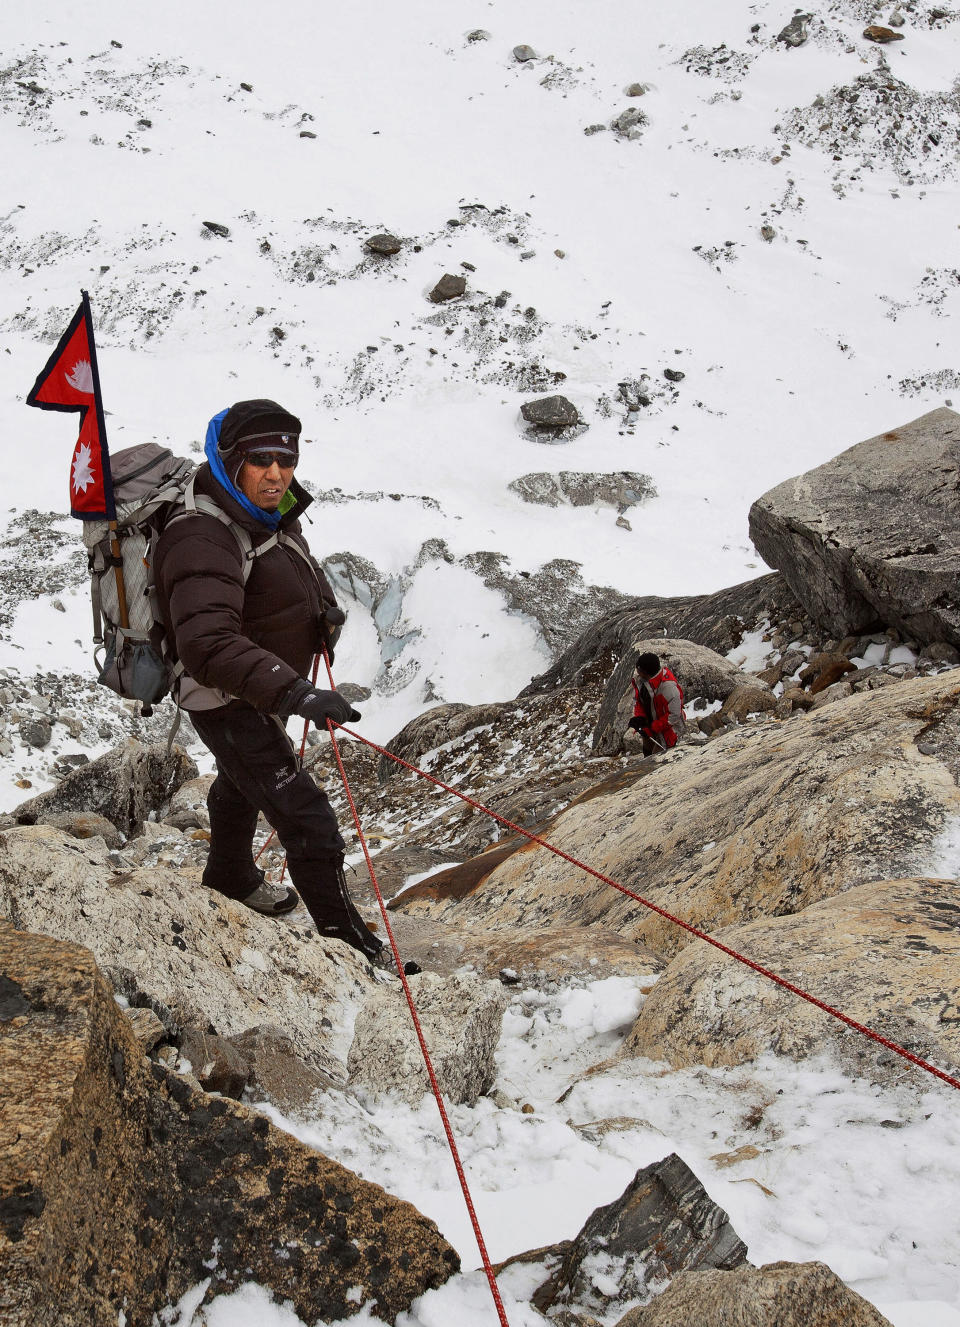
[117, 561]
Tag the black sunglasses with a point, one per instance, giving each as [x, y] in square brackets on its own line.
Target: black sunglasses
[264, 460]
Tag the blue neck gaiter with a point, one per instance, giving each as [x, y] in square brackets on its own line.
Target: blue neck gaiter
[271, 519]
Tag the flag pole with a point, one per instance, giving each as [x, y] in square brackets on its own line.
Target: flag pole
[115, 555]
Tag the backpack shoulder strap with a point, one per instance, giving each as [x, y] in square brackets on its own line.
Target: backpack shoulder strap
[194, 503]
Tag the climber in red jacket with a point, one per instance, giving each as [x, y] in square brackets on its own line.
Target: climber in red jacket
[658, 712]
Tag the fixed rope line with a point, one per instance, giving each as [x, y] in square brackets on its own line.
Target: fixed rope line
[668, 916]
[451, 1141]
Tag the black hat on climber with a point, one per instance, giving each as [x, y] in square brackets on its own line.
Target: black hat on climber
[257, 426]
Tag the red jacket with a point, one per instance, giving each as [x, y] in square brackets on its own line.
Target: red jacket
[664, 697]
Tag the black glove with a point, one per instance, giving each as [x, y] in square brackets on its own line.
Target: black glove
[318, 706]
[636, 723]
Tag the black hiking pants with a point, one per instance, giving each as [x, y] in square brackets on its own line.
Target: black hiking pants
[258, 771]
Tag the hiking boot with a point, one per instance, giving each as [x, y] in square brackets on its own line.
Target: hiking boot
[271, 900]
[383, 961]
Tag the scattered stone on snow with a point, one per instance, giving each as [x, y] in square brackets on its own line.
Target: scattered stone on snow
[386, 245]
[795, 33]
[876, 32]
[879, 120]
[629, 123]
[551, 418]
[447, 288]
[36, 731]
[625, 488]
[215, 228]
[524, 53]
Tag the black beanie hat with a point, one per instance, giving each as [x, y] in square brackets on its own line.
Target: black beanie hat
[648, 664]
[257, 421]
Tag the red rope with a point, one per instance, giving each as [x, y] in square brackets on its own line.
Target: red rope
[662, 912]
[451, 1141]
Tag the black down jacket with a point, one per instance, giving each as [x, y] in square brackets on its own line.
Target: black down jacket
[252, 642]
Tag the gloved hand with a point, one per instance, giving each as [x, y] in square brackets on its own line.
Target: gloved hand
[636, 723]
[318, 706]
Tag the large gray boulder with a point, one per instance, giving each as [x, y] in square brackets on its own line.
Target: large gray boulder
[872, 538]
[122, 1186]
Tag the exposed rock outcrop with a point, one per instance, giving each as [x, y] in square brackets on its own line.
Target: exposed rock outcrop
[764, 820]
[886, 954]
[123, 786]
[872, 538]
[164, 940]
[781, 1294]
[575, 488]
[536, 959]
[717, 621]
[121, 1187]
